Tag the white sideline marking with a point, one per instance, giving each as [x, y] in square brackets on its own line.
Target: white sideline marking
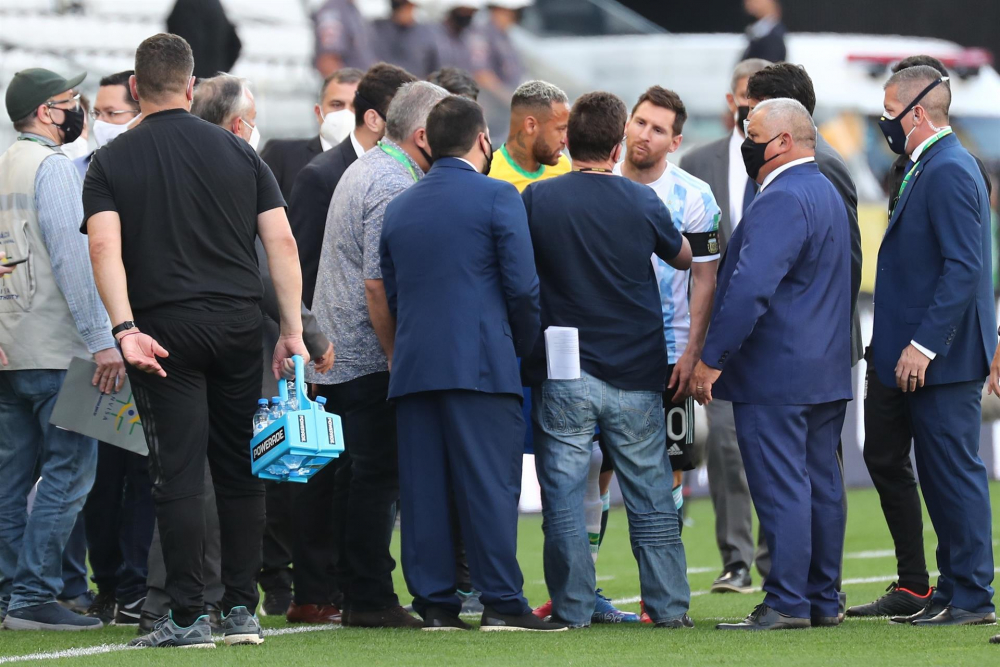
[879, 553]
[115, 648]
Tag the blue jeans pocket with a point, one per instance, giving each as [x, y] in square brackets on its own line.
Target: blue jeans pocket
[564, 405]
[640, 413]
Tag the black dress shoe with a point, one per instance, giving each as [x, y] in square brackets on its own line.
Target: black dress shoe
[955, 616]
[896, 602]
[735, 580]
[683, 622]
[493, 621]
[930, 610]
[995, 639]
[439, 619]
[765, 618]
[826, 621]
[393, 617]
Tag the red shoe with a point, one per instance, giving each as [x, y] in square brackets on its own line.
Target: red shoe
[644, 617]
[313, 613]
[544, 611]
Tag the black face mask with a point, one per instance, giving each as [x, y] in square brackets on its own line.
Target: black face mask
[489, 160]
[741, 115]
[72, 125]
[892, 128]
[461, 20]
[753, 156]
[430, 160]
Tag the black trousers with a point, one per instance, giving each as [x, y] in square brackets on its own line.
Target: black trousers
[318, 536]
[276, 572]
[204, 405]
[888, 440]
[369, 422]
[119, 523]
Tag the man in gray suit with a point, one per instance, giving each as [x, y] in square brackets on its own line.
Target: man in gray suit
[763, 83]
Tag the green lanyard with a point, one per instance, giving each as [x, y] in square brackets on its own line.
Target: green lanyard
[400, 157]
[913, 169]
[37, 141]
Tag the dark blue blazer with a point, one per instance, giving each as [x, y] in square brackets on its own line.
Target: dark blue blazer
[460, 278]
[781, 325]
[934, 271]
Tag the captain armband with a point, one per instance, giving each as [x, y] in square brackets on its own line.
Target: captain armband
[703, 244]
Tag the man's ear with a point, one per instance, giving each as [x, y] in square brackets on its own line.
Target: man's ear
[530, 124]
[420, 139]
[731, 102]
[372, 121]
[616, 154]
[676, 143]
[133, 88]
[319, 114]
[189, 93]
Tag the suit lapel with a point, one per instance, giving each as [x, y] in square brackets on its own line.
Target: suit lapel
[928, 155]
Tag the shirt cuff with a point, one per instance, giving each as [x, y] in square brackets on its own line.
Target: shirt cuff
[927, 353]
[99, 340]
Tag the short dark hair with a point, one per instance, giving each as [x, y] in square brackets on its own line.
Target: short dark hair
[377, 88]
[783, 80]
[342, 75]
[453, 125]
[916, 61]
[121, 79]
[456, 81]
[666, 99]
[163, 65]
[24, 124]
[596, 126]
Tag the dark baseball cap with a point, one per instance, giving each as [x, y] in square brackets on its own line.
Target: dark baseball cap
[31, 87]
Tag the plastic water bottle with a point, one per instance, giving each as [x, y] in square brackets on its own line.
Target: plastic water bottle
[321, 403]
[262, 417]
[277, 409]
[292, 404]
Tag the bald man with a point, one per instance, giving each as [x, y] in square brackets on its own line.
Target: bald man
[934, 334]
[778, 348]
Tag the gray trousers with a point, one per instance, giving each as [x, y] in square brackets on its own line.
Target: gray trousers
[727, 482]
[157, 601]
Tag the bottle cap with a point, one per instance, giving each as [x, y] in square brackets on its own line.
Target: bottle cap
[262, 401]
[321, 400]
[276, 399]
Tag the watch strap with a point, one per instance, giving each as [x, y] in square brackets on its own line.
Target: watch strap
[124, 326]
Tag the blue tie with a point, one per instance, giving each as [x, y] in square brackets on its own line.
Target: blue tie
[749, 192]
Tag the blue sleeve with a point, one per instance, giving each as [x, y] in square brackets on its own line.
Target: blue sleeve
[767, 254]
[517, 267]
[668, 239]
[958, 230]
[385, 260]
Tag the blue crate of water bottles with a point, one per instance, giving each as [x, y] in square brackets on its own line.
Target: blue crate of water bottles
[294, 437]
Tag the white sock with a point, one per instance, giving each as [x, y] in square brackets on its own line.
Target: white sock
[593, 506]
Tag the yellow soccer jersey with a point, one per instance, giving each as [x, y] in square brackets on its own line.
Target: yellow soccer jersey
[505, 169]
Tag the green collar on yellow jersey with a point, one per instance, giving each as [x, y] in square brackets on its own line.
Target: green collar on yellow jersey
[527, 174]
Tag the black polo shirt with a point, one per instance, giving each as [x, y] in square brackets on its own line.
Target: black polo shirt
[188, 194]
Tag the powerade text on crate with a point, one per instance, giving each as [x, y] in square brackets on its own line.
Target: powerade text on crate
[298, 439]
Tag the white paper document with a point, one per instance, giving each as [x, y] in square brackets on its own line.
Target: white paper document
[110, 418]
[562, 353]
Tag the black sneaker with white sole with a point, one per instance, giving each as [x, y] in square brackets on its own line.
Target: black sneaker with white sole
[493, 621]
[735, 580]
[129, 613]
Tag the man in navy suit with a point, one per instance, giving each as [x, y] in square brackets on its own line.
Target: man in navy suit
[935, 332]
[779, 348]
[460, 279]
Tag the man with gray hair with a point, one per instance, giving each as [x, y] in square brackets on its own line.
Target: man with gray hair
[225, 100]
[778, 348]
[720, 164]
[539, 119]
[351, 308]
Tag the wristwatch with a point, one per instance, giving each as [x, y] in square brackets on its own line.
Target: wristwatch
[124, 326]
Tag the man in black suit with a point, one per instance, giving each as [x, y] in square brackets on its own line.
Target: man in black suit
[286, 157]
[888, 440]
[310, 196]
[318, 535]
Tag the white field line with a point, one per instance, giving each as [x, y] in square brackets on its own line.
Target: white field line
[115, 648]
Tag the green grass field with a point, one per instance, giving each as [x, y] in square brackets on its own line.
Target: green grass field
[868, 568]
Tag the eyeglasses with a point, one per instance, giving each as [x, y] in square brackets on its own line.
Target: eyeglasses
[75, 99]
[109, 115]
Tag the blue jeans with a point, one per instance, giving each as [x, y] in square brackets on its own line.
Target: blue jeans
[31, 548]
[564, 415]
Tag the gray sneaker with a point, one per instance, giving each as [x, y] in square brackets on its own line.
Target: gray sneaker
[167, 633]
[242, 627]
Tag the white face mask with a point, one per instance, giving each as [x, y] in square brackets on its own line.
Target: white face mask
[76, 149]
[104, 132]
[336, 126]
[254, 139]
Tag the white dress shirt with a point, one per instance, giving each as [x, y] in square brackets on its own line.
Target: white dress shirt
[737, 178]
[358, 148]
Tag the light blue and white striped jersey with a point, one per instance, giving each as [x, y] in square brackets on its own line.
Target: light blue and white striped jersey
[693, 210]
